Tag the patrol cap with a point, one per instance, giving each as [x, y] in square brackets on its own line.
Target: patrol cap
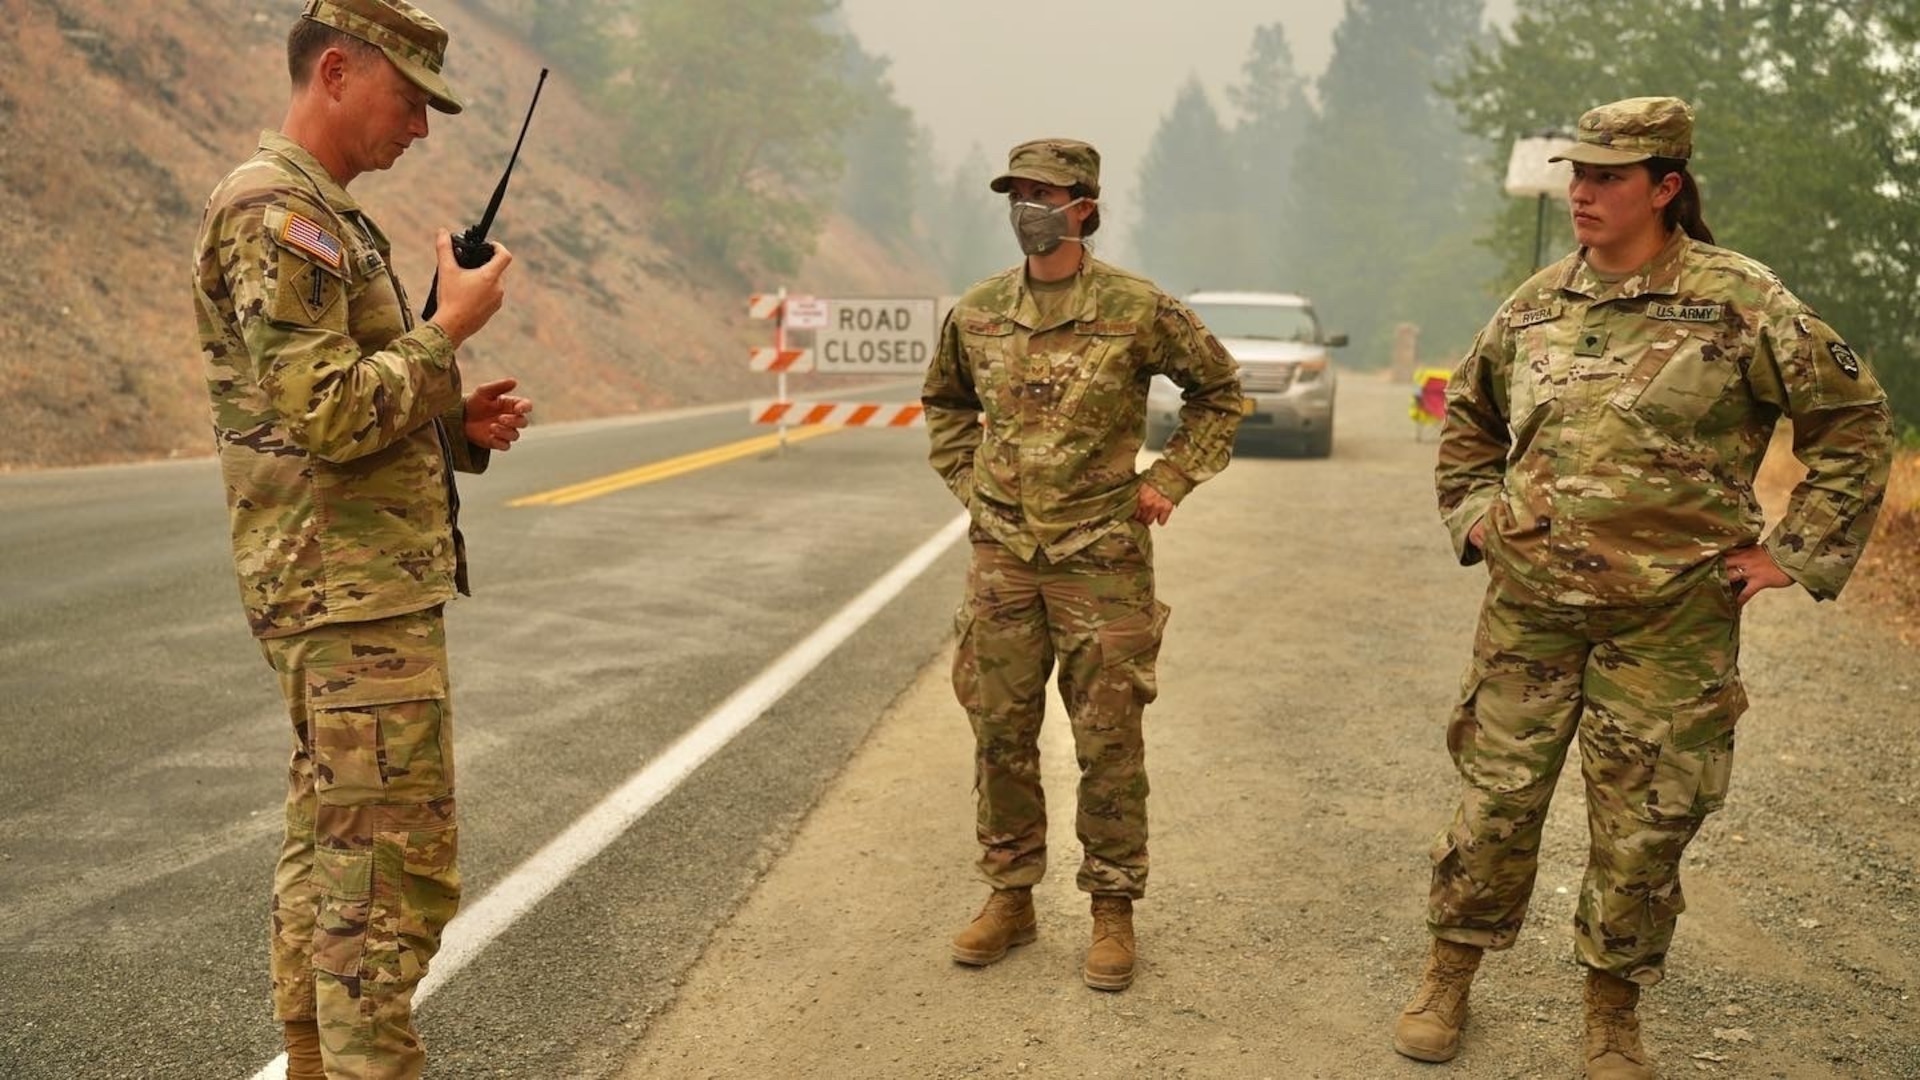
[1633, 130]
[1060, 162]
[409, 37]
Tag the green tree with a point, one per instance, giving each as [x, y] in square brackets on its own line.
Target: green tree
[884, 151]
[734, 109]
[1191, 232]
[1274, 117]
[572, 35]
[967, 223]
[1806, 150]
[1388, 195]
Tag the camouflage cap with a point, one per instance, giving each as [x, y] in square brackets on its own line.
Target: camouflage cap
[1061, 162]
[1633, 130]
[415, 43]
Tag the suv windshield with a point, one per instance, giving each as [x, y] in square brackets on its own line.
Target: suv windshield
[1267, 322]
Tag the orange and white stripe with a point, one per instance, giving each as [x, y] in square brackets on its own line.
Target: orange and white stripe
[891, 414]
[765, 305]
[771, 359]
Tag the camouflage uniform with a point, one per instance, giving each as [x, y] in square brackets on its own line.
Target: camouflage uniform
[338, 421]
[1060, 569]
[1609, 433]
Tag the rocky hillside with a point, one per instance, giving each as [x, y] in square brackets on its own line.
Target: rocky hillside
[117, 119]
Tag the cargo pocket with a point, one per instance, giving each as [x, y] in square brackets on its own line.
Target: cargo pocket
[1130, 647]
[1102, 367]
[1512, 756]
[1674, 379]
[966, 666]
[343, 887]
[381, 910]
[1464, 726]
[1453, 879]
[988, 348]
[1459, 895]
[378, 732]
[1691, 775]
[415, 891]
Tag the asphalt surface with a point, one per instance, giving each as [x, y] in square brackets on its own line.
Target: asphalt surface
[143, 743]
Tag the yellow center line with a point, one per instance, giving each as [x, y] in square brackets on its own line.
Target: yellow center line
[662, 470]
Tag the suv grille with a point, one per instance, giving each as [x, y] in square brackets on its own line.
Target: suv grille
[1266, 378]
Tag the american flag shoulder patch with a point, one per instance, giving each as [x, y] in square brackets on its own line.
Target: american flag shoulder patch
[301, 232]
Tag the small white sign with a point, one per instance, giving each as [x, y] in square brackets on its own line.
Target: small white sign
[1530, 174]
[806, 313]
[876, 336]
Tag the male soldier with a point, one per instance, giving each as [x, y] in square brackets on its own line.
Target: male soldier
[338, 420]
[1057, 353]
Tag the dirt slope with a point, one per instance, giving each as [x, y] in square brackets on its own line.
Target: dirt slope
[118, 119]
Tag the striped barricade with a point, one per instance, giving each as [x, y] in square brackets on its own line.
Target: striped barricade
[771, 359]
[765, 305]
[838, 414]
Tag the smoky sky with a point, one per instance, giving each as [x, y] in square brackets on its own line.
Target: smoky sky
[1106, 71]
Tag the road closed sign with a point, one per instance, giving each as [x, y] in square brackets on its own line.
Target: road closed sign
[877, 336]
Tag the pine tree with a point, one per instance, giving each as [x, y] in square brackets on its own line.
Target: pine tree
[884, 152]
[968, 224]
[1274, 119]
[1191, 231]
[1390, 193]
[734, 110]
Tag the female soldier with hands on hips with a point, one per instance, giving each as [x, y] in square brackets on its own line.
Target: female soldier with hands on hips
[1599, 452]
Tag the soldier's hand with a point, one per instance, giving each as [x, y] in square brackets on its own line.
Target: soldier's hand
[494, 417]
[1477, 536]
[468, 298]
[1152, 507]
[1751, 570]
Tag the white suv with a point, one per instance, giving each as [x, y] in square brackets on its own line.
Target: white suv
[1286, 370]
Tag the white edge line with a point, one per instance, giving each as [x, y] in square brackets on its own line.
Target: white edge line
[476, 927]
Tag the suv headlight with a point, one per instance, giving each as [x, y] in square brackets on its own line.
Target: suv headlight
[1309, 370]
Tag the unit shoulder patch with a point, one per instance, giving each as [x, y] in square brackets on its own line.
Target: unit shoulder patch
[1844, 357]
[306, 293]
[1686, 312]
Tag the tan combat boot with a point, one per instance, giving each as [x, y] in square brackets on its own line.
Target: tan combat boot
[303, 1050]
[1110, 957]
[1613, 1030]
[1005, 921]
[1429, 1027]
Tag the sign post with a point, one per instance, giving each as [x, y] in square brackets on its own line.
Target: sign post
[1529, 173]
[779, 358]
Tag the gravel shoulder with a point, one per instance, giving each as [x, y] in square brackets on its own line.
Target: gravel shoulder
[1299, 774]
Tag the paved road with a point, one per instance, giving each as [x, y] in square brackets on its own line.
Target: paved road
[142, 741]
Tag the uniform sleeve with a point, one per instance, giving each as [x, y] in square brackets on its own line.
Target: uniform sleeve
[335, 403]
[953, 413]
[1474, 437]
[1210, 411]
[464, 456]
[1842, 433]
